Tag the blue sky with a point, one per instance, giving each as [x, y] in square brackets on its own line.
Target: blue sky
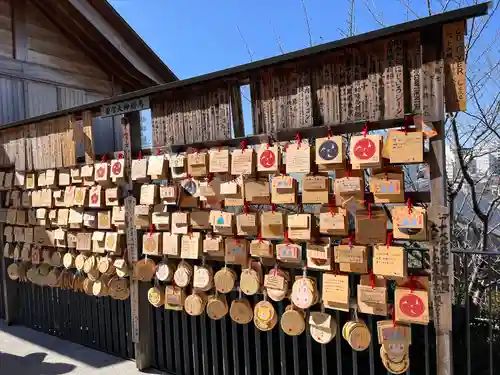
[197, 37]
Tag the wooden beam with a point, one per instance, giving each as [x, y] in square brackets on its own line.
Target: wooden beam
[39, 73]
[92, 16]
[19, 33]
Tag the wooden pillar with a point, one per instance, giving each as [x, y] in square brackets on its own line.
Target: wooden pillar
[140, 308]
[439, 219]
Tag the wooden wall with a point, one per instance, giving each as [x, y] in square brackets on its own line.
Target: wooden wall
[5, 28]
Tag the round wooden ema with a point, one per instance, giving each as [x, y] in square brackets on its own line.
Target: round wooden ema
[17, 252]
[183, 274]
[119, 289]
[144, 270]
[249, 281]
[26, 253]
[303, 293]
[241, 311]
[395, 351]
[224, 280]
[52, 278]
[164, 272]
[80, 261]
[292, 322]
[194, 304]
[105, 266]
[12, 271]
[203, 277]
[93, 274]
[122, 271]
[99, 289]
[90, 264]
[264, 311]
[150, 245]
[217, 307]
[263, 326]
[156, 296]
[7, 251]
[394, 367]
[44, 269]
[68, 260]
[359, 336]
[32, 274]
[56, 259]
[322, 327]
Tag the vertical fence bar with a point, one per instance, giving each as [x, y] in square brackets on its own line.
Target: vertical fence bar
[467, 314]
[338, 344]
[490, 324]
[194, 335]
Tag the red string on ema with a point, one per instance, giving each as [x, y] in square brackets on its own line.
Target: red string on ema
[331, 203]
[158, 152]
[259, 237]
[243, 146]
[151, 229]
[245, 208]
[365, 129]
[139, 155]
[330, 133]
[104, 158]
[372, 278]
[298, 137]
[408, 120]
[408, 202]
[273, 208]
[351, 240]
[120, 155]
[287, 239]
[389, 239]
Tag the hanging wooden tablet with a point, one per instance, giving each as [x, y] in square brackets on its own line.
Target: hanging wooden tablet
[8, 180]
[15, 198]
[69, 196]
[390, 261]
[322, 327]
[40, 179]
[41, 216]
[333, 221]
[410, 224]
[19, 179]
[315, 189]
[117, 170]
[272, 224]
[160, 217]
[299, 226]
[84, 241]
[298, 157]
[276, 283]
[28, 235]
[157, 167]
[265, 317]
[171, 244]
[96, 198]
[319, 255]
[200, 219]
[406, 148]
[52, 217]
[351, 258]
[330, 153]
[139, 170]
[80, 198]
[213, 246]
[118, 217]
[236, 251]
[233, 192]
[365, 151]
[335, 291]
[203, 278]
[268, 158]
[251, 279]
[304, 292]
[219, 160]
[178, 166]
[51, 178]
[58, 196]
[195, 303]
[8, 233]
[357, 335]
[247, 224]
[18, 234]
[241, 311]
[261, 248]
[165, 271]
[46, 198]
[149, 194]
[289, 252]
[387, 185]
[64, 177]
[347, 185]
[102, 173]
[30, 181]
[142, 218]
[372, 295]
[169, 194]
[222, 222]
[292, 321]
[87, 175]
[198, 164]
[175, 298]
[371, 226]
[257, 191]
[114, 242]
[217, 306]
[151, 243]
[99, 242]
[180, 222]
[12, 215]
[71, 238]
[224, 280]
[75, 174]
[411, 306]
[242, 162]
[283, 190]
[112, 197]
[191, 245]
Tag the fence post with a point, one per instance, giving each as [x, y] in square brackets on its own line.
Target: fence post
[440, 254]
[140, 311]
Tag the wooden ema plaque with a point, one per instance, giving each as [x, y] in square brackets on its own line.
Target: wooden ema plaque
[257, 191]
[233, 192]
[241, 311]
[191, 245]
[322, 327]
[139, 170]
[151, 243]
[406, 148]
[222, 222]
[298, 158]
[387, 185]
[272, 225]
[198, 164]
[365, 151]
[157, 167]
[171, 244]
[178, 166]
[261, 248]
[410, 225]
[219, 160]
[283, 190]
[390, 261]
[268, 158]
[160, 217]
[330, 153]
[247, 224]
[299, 226]
[213, 246]
[372, 295]
[315, 189]
[371, 227]
[293, 321]
[236, 251]
[102, 173]
[319, 255]
[357, 335]
[333, 221]
[412, 306]
[335, 291]
[180, 222]
[347, 185]
[351, 258]
[242, 162]
[200, 219]
[117, 169]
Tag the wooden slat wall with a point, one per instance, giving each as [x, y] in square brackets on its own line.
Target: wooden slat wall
[193, 119]
[40, 98]
[5, 29]
[11, 100]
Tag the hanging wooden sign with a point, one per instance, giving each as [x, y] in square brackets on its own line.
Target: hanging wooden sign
[189, 192]
[371, 226]
[372, 295]
[236, 251]
[180, 222]
[390, 261]
[315, 189]
[289, 252]
[198, 164]
[233, 192]
[213, 246]
[298, 158]
[101, 173]
[95, 196]
[117, 169]
[149, 194]
[387, 185]
[351, 258]
[335, 291]
[87, 175]
[99, 242]
[411, 306]
[257, 191]
[247, 224]
[299, 226]
[191, 245]
[139, 170]
[283, 190]
[272, 224]
[333, 221]
[365, 151]
[169, 194]
[222, 222]
[322, 327]
[261, 248]
[178, 166]
[406, 147]
[410, 225]
[319, 255]
[160, 217]
[219, 160]
[171, 244]
[268, 158]
[157, 167]
[242, 162]
[330, 152]
[347, 185]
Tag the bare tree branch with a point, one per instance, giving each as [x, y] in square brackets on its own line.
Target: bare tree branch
[376, 17]
[250, 54]
[304, 9]
[277, 39]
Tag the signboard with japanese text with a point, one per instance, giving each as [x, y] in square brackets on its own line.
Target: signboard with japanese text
[124, 107]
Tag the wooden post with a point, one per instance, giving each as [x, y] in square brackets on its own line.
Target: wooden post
[140, 310]
[9, 294]
[439, 219]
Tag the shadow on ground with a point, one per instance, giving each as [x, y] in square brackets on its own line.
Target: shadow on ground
[31, 364]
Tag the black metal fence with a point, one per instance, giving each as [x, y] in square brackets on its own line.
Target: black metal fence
[2, 303]
[100, 323]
